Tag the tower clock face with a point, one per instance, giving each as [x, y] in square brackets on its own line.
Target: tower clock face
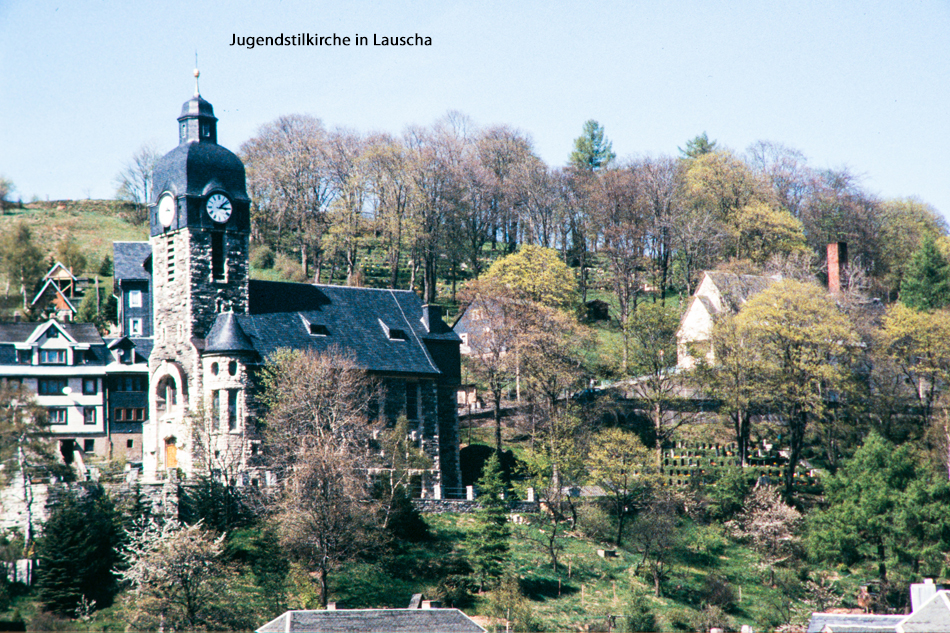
[219, 207]
[166, 210]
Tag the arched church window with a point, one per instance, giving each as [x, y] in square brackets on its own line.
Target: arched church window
[232, 368]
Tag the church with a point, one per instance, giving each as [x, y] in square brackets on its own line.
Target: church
[213, 327]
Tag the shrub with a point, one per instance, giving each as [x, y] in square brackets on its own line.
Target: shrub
[262, 258]
[638, 615]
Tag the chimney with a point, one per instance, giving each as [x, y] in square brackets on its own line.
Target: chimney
[431, 604]
[432, 318]
[837, 260]
[920, 593]
[331, 606]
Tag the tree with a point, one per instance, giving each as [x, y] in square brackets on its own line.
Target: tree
[316, 432]
[654, 536]
[770, 526]
[498, 315]
[883, 507]
[917, 345]
[731, 379]
[134, 182]
[802, 347]
[538, 273]
[99, 307]
[179, 579]
[26, 451]
[6, 192]
[927, 279]
[21, 261]
[78, 550]
[488, 543]
[698, 146]
[653, 355]
[624, 468]
[904, 225]
[70, 255]
[288, 181]
[592, 150]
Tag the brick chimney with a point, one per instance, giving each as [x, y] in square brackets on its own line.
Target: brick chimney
[837, 260]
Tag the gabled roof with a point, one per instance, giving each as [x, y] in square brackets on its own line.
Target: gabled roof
[82, 333]
[51, 286]
[58, 271]
[373, 621]
[736, 290]
[357, 321]
[131, 260]
[932, 617]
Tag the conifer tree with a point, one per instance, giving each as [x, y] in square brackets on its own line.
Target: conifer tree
[927, 282]
[78, 551]
[489, 541]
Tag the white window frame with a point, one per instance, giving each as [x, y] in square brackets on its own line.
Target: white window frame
[135, 298]
[135, 327]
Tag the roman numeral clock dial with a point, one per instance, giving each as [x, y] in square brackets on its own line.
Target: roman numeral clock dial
[219, 207]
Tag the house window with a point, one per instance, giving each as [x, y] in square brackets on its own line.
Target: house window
[135, 298]
[90, 386]
[397, 335]
[88, 415]
[51, 386]
[88, 446]
[24, 356]
[135, 327]
[216, 408]
[57, 415]
[126, 414]
[232, 368]
[217, 256]
[412, 401]
[129, 443]
[52, 356]
[232, 409]
[319, 330]
[130, 383]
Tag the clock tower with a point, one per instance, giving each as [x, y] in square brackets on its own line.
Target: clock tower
[199, 225]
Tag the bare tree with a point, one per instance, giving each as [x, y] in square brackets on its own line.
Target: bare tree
[288, 181]
[134, 182]
[316, 438]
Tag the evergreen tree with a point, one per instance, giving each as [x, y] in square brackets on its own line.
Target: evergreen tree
[78, 551]
[698, 146]
[927, 282]
[488, 543]
[592, 150]
[21, 261]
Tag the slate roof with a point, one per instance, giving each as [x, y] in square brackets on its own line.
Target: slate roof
[853, 622]
[932, 617]
[737, 289]
[373, 621]
[130, 260]
[20, 332]
[195, 168]
[363, 322]
[227, 336]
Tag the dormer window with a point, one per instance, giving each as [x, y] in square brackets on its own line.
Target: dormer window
[319, 330]
[24, 356]
[52, 356]
[394, 334]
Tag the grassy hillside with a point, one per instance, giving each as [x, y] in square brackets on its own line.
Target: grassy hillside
[94, 224]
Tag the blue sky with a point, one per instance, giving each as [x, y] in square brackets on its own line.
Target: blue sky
[84, 83]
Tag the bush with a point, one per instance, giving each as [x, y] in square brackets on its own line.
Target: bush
[595, 523]
[262, 258]
[289, 268]
[638, 615]
[718, 592]
[456, 591]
